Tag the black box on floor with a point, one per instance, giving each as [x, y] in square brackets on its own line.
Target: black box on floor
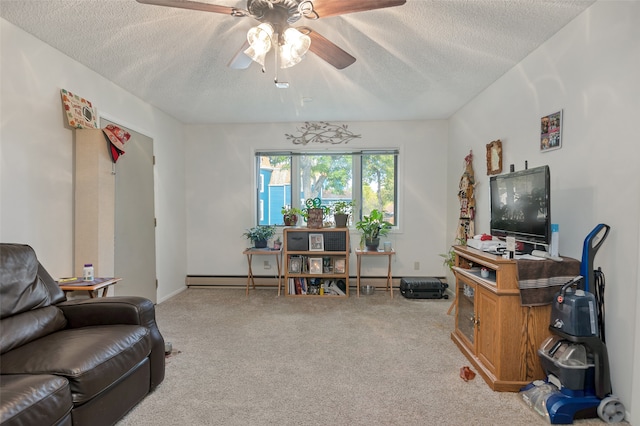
[423, 288]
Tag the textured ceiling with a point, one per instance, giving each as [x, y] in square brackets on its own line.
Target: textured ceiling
[422, 60]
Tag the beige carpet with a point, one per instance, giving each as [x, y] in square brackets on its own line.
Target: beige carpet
[268, 360]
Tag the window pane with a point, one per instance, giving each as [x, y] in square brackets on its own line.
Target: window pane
[379, 184]
[328, 177]
[275, 177]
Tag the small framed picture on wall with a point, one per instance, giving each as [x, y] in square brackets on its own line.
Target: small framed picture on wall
[551, 132]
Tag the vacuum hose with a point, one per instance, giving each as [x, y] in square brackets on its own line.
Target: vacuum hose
[599, 284]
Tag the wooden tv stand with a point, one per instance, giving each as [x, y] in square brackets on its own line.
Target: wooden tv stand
[498, 335]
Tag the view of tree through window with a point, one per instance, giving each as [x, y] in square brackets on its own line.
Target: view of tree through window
[369, 178]
[379, 185]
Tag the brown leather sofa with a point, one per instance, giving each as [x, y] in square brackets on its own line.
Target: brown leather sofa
[77, 362]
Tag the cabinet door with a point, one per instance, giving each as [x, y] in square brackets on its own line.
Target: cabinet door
[488, 338]
[466, 312]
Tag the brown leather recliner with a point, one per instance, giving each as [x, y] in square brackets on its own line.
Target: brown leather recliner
[78, 362]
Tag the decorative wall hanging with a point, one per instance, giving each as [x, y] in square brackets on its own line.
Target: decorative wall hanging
[494, 157]
[117, 138]
[79, 111]
[551, 132]
[466, 227]
[322, 132]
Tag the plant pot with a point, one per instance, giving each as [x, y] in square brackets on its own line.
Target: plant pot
[341, 220]
[372, 244]
[260, 243]
[290, 219]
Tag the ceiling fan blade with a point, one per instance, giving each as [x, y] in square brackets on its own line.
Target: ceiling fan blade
[325, 8]
[196, 5]
[327, 50]
[240, 61]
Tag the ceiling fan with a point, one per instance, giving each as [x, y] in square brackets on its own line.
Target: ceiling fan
[276, 17]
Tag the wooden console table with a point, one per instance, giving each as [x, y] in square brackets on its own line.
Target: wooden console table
[360, 253]
[250, 252]
[494, 329]
[92, 287]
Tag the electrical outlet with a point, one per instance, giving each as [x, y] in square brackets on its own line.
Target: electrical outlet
[267, 265]
[416, 266]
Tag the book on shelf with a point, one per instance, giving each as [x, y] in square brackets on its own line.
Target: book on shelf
[297, 285]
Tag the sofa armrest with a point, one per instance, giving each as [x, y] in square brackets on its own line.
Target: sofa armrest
[120, 310]
[108, 311]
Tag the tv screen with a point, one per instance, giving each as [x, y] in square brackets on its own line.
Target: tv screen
[520, 205]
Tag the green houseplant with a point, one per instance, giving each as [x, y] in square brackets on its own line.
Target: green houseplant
[341, 210]
[260, 234]
[290, 215]
[450, 256]
[373, 227]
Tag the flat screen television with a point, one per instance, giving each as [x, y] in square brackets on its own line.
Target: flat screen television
[520, 206]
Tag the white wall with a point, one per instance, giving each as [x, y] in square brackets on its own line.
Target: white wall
[221, 192]
[590, 70]
[36, 166]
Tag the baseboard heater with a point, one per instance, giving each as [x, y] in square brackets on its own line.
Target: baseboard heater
[231, 281]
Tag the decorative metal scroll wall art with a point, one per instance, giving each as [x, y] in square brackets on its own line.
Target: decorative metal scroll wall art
[322, 132]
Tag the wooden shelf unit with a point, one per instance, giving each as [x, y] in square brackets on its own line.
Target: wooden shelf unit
[336, 247]
[498, 335]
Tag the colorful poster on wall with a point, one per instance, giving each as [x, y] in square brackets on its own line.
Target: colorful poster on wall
[79, 111]
[551, 132]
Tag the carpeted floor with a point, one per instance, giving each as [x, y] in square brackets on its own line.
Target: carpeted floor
[269, 360]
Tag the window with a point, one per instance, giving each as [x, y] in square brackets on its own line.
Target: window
[369, 177]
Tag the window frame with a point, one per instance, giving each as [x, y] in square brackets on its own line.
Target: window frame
[356, 164]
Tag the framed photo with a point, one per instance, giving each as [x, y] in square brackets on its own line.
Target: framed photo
[315, 265]
[316, 242]
[295, 265]
[551, 132]
[339, 266]
[494, 158]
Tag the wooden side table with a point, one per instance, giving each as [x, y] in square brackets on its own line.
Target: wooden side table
[360, 253]
[91, 287]
[250, 252]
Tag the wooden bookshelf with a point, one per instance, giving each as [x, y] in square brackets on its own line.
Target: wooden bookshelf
[316, 262]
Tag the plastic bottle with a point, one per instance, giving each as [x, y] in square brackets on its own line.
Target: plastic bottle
[88, 272]
[555, 239]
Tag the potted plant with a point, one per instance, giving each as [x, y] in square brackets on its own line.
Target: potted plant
[341, 211]
[290, 215]
[260, 234]
[373, 227]
[450, 256]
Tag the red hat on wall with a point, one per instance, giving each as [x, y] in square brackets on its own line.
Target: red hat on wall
[116, 138]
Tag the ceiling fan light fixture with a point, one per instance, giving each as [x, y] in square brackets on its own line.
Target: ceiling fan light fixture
[259, 39]
[294, 46]
[256, 56]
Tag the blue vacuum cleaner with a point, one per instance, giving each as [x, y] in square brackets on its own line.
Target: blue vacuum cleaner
[575, 359]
